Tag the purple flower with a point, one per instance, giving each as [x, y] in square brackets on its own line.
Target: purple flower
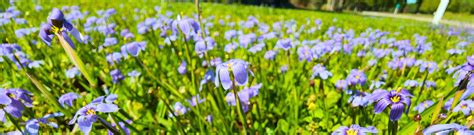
[356, 77]
[354, 130]
[126, 34]
[13, 102]
[448, 128]
[359, 98]
[56, 23]
[182, 68]
[244, 96]
[110, 41]
[430, 84]
[38, 8]
[423, 105]
[230, 47]
[455, 51]
[179, 109]
[216, 61]
[73, 72]
[133, 48]
[87, 115]
[245, 40]
[122, 126]
[209, 118]
[428, 66]
[410, 83]
[270, 55]
[208, 76]
[67, 99]
[319, 70]
[466, 106]
[230, 34]
[407, 61]
[203, 46]
[376, 84]
[188, 26]
[341, 84]
[284, 44]
[469, 66]
[305, 53]
[114, 58]
[133, 73]
[116, 75]
[258, 47]
[397, 100]
[196, 100]
[35, 64]
[380, 53]
[284, 68]
[238, 69]
[32, 126]
[448, 104]
[467, 93]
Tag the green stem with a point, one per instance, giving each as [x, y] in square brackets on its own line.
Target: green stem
[108, 126]
[394, 127]
[239, 108]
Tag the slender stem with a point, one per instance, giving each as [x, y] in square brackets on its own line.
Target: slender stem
[108, 126]
[42, 88]
[239, 108]
[421, 88]
[172, 113]
[395, 127]
[161, 83]
[389, 126]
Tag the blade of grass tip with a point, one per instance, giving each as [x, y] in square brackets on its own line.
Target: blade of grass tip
[457, 97]
[48, 95]
[76, 60]
[437, 110]
[42, 89]
[108, 126]
[469, 124]
[13, 120]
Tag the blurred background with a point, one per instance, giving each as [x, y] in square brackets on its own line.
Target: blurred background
[405, 6]
[457, 12]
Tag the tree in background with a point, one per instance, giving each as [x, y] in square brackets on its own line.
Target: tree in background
[418, 5]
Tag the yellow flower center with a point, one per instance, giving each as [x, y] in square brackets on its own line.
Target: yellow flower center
[456, 133]
[229, 65]
[90, 111]
[357, 77]
[425, 104]
[351, 132]
[395, 99]
[55, 29]
[464, 106]
[12, 95]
